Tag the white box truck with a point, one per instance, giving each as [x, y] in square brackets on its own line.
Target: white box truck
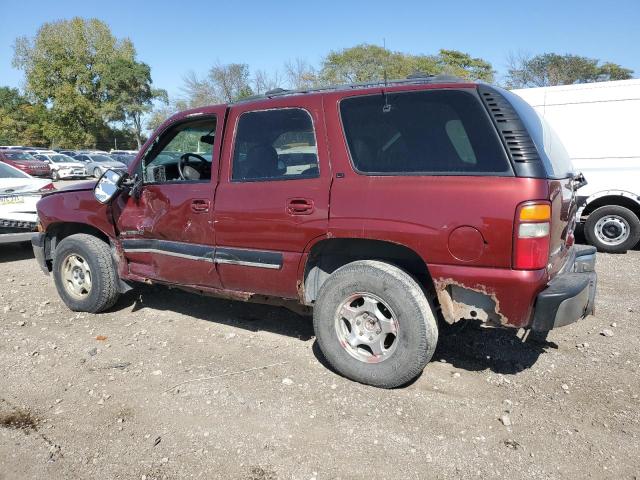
[599, 124]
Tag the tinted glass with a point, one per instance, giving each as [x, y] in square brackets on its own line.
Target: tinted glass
[443, 132]
[275, 145]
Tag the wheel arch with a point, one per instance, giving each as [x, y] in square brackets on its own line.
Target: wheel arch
[56, 232]
[328, 254]
[620, 198]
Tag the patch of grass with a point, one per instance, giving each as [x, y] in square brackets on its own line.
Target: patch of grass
[19, 419]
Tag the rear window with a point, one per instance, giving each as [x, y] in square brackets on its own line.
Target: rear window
[439, 132]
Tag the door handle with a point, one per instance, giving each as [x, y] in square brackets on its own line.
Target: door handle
[300, 206]
[200, 205]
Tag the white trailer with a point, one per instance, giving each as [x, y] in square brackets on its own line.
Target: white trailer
[599, 124]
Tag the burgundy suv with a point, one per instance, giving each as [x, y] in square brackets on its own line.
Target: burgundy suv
[25, 162]
[386, 207]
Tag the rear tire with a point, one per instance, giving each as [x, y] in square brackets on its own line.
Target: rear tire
[84, 274]
[612, 229]
[384, 304]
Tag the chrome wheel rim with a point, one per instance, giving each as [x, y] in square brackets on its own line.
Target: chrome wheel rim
[612, 230]
[97, 172]
[367, 328]
[76, 276]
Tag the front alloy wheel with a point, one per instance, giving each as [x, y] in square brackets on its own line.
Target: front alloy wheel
[76, 275]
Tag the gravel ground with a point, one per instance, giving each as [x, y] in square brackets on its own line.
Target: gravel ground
[95, 396]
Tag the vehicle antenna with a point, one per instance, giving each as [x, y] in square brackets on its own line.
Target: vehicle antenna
[386, 107]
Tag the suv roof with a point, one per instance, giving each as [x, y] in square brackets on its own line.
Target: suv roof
[416, 79]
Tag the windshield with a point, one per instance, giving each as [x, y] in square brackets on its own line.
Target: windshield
[8, 172]
[101, 158]
[60, 158]
[18, 156]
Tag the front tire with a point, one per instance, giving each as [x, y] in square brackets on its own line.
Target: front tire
[84, 274]
[55, 176]
[612, 229]
[97, 173]
[374, 324]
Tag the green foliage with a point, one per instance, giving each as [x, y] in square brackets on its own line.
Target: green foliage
[86, 78]
[550, 69]
[20, 121]
[364, 63]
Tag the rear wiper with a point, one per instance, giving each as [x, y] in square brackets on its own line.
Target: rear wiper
[578, 181]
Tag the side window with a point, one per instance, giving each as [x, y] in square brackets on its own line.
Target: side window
[182, 153]
[275, 145]
[437, 132]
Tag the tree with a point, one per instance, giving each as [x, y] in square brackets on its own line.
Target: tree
[550, 69]
[365, 63]
[231, 82]
[73, 67]
[20, 121]
[300, 74]
[128, 85]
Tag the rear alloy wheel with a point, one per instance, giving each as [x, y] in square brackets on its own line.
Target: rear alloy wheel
[84, 274]
[374, 324]
[612, 229]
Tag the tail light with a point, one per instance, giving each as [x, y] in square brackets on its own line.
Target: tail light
[47, 188]
[531, 236]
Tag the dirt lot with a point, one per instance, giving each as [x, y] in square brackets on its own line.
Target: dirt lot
[93, 396]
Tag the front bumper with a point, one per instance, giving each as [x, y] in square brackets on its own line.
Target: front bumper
[38, 242]
[570, 296]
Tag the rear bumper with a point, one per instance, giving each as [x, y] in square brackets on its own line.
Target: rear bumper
[570, 296]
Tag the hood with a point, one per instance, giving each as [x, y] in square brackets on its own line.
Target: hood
[88, 185]
[67, 165]
[11, 186]
[29, 163]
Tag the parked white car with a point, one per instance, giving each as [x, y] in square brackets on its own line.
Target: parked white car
[598, 125]
[19, 194]
[62, 166]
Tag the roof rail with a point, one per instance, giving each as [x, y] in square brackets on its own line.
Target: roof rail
[413, 79]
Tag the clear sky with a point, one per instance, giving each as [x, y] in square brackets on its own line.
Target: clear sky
[177, 36]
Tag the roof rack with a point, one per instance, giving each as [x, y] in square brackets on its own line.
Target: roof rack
[413, 79]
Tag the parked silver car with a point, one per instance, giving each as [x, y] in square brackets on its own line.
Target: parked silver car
[97, 164]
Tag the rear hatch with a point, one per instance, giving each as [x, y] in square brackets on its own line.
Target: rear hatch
[537, 152]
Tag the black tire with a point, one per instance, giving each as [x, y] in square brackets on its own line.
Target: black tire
[103, 293]
[55, 176]
[623, 215]
[417, 333]
[97, 173]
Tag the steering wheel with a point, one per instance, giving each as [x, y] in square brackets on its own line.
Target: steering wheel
[184, 162]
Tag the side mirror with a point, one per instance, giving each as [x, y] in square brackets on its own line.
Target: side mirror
[108, 185]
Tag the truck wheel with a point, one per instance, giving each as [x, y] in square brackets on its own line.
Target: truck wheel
[612, 229]
[84, 274]
[374, 324]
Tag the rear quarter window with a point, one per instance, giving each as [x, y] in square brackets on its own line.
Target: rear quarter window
[555, 158]
[435, 132]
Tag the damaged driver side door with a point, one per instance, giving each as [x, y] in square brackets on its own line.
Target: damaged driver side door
[165, 225]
